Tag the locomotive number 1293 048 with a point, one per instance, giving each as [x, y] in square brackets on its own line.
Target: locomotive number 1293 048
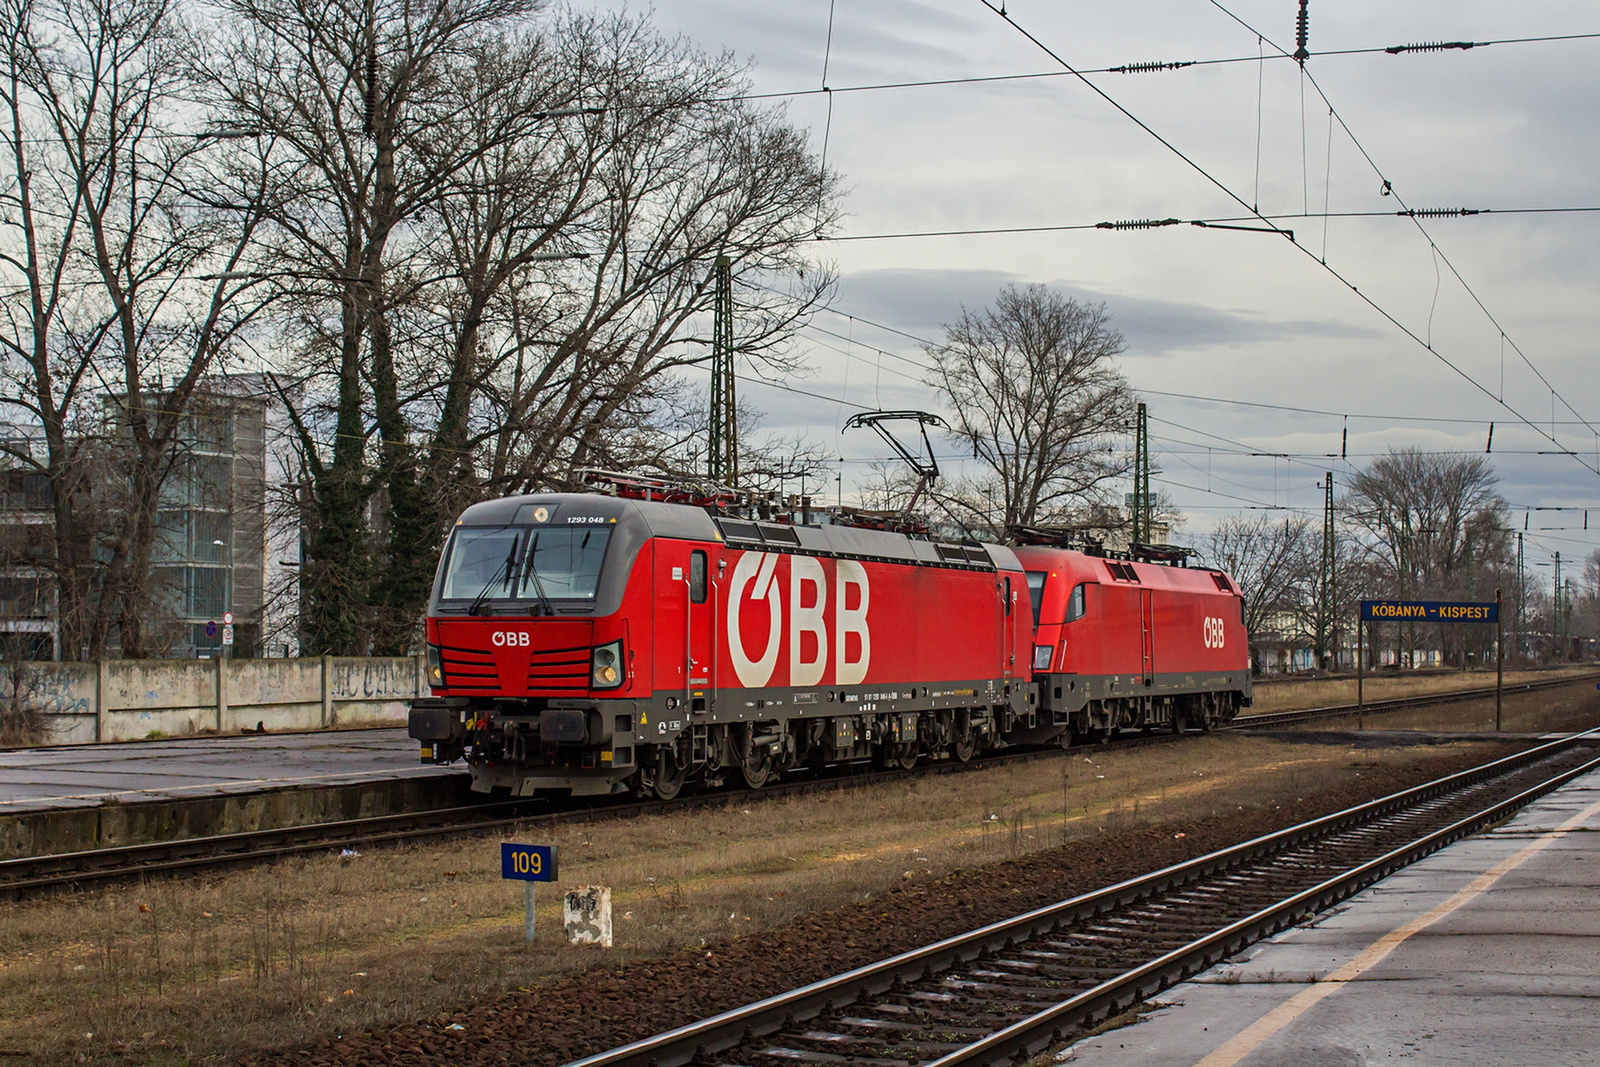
[1214, 632]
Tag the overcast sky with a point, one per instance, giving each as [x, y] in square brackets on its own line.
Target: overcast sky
[1213, 313]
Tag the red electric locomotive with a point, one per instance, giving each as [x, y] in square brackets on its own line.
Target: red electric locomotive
[1131, 644]
[596, 644]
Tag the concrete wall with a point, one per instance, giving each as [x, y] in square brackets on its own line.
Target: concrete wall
[124, 700]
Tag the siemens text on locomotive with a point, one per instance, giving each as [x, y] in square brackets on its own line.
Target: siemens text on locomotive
[594, 644]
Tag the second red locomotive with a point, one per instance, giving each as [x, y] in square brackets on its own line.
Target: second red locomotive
[594, 644]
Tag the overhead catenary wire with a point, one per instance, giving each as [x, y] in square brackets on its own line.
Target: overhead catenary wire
[1204, 223]
[1148, 67]
[1415, 217]
[1408, 212]
[1222, 187]
[192, 136]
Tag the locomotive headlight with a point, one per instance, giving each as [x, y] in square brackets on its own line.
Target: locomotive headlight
[607, 672]
[435, 667]
[1041, 657]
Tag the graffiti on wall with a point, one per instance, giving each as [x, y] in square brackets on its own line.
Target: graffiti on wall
[372, 679]
[51, 689]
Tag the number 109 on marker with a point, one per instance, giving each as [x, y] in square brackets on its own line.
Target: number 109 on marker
[527, 863]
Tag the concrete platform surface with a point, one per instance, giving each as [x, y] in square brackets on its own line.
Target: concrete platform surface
[1487, 952]
[76, 776]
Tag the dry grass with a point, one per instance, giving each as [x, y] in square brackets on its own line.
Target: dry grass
[1331, 692]
[212, 969]
[1566, 708]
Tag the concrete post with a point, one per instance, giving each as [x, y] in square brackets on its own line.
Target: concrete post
[1499, 659]
[101, 667]
[222, 690]
[327, 691]
[1361, 676]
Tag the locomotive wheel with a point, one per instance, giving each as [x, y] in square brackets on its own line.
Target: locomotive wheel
[888, 756]
[964, 748]
[757, 773]
[964, 742]
[1092, 735]
[669, 775]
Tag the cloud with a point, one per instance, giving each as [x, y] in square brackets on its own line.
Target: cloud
[920, 301]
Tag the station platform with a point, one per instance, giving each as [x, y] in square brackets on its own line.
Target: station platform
[1488, 951]
[78, 776]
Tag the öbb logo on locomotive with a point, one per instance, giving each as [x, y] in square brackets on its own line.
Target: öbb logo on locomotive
[510, 638]
[754, 579]
[1215, 632]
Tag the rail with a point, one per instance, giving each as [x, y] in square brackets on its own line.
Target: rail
[1013, 952]
[1379, 707]
[27, 875]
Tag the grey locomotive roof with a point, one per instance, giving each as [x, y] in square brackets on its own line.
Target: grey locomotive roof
[694, 524]
[661, 519]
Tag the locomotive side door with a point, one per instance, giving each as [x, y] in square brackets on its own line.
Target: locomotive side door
[1147, 637]
[1008, 640]
[683, 611]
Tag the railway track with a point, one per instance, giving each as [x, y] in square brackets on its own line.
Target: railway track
[1378, 707]
[31, 875]
[1013, 989]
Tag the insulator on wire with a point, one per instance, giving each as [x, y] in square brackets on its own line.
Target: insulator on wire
[1135, 224]
[1148, 68]
[1430, 46]
[1439, 212]
[1302, 32]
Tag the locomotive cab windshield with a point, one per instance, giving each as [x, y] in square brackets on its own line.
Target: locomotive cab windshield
[542, 565]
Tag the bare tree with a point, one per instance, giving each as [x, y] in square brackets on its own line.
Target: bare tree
[1037, 395]
[438, 175]
[1274, 563]
[123, 297]
[1432, 526]
[565, 362]
[342, 99]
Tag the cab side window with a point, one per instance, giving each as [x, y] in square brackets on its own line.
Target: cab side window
[697, 577]
[1076, 604]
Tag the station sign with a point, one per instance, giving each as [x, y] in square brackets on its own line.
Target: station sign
[527, 863]
[1429, 611]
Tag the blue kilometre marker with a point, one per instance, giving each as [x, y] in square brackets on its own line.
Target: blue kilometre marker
[528, 864]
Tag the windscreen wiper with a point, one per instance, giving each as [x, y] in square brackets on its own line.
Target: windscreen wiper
[503, 570]
[545, 606]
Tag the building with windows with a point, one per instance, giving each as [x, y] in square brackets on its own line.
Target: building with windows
[217, 550]
[211, 551]
[27, 590]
